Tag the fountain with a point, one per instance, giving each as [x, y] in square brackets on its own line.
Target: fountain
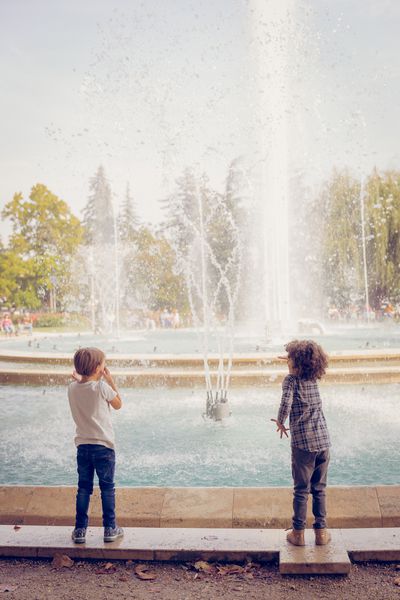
[271, 34]
[211, 259]
[212, 279]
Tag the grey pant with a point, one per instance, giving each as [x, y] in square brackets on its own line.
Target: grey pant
[309, 471]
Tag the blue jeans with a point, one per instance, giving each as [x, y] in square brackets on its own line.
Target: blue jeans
[91, 458]
[309, 471]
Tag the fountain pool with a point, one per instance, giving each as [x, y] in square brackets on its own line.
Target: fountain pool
[163, 440]
[186, 341]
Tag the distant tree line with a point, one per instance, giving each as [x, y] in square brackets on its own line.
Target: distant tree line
[39, 262]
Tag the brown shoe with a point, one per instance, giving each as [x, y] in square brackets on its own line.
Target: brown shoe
[296, 537]
[322, 537]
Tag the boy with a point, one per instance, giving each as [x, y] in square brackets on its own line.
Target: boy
[309, 436]
[90, 398]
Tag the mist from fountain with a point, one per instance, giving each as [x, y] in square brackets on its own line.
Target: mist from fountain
[272, 31]
[213, 284]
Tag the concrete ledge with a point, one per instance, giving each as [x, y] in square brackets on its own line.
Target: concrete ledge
[388, 356]
[195, 378]
[261, 545]
[238, 508]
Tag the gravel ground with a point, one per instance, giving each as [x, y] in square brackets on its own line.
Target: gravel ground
[84, 580]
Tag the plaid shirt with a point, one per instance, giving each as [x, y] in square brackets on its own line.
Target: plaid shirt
[301, 400]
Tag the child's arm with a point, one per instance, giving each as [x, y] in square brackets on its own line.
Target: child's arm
[286, 405]
[116, 402]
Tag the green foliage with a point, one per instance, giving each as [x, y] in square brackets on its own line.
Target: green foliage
[338, 229]
[383, 235]
[128, 221]
[98, 214]
[335, 224]
[45, 235]
[156, 283]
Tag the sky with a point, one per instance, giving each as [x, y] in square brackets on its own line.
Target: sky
[146, 88]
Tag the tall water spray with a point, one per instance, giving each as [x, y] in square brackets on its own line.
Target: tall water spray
[208, 245]
[271, 31]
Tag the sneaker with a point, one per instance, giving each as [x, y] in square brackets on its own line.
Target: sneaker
[79, 535]
[112, 533]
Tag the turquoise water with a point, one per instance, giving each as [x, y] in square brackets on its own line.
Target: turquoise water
[186, 341]
[164, 441]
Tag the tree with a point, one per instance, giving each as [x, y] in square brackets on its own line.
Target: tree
[383, 236]
[45, 236]
[338, 228]
[181, 208]
[98, 214]
[128, 221]
[156, 283]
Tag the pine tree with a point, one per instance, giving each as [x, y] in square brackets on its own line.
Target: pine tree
[98, 214]
[128, 222]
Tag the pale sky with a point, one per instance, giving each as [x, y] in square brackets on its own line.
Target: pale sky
[145, 88]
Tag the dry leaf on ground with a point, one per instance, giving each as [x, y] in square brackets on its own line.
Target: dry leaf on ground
[62, 560]
[230, 569]
[397, 581]
[202, 565]
[143, 573]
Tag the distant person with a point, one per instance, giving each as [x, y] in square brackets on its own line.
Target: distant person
[7, 325]
[176, 320]
[90, 397]
[27, 323]
[310, 442]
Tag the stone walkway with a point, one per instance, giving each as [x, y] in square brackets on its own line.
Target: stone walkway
[224, 545]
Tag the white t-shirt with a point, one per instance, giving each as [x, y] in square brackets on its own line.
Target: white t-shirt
[91, 411]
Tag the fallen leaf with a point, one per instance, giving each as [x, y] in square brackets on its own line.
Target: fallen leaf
[17, 527]
[106, 570]
[202, 565]
[62, 560]
[229, 569]
[124, 578]
[397, 581]
[143, 573]
[4, 587]
[109, 566]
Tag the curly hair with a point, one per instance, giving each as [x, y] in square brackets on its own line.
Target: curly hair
[308, 358]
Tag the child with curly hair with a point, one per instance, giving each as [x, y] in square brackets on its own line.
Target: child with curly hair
[310, 441]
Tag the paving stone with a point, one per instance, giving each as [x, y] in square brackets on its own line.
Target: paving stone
[197, 507]
[353, 507]
[262, 507]
[225, 545]
[13, 503]
[232, 545]
[380, 544]
[389, 504]
[331, 559]
[51, 505]
[143, 543]
[139, 507]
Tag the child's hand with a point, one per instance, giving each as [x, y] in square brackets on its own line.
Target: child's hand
[107, 376]
[281, 428]
[76, 376]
